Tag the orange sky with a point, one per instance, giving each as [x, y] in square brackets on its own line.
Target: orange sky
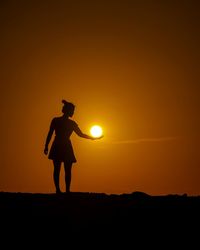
[131, 66]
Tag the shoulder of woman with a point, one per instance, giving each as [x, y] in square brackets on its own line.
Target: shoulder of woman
[55, 119]
[74, 123]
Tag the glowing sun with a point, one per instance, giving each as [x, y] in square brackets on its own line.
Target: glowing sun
[96, 131]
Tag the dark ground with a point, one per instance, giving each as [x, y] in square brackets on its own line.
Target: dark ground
[93, 214]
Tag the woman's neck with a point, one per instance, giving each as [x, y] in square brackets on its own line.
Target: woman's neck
[65, 116]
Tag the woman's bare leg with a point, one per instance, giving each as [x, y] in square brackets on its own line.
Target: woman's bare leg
[68, 170]
[56, 175]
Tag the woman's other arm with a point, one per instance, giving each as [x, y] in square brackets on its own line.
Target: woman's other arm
[49, 135]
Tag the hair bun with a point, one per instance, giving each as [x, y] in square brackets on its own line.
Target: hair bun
[64, 102]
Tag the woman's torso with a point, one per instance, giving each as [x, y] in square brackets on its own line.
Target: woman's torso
[63, 128]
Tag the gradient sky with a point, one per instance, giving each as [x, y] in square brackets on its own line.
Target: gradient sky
[130, 66]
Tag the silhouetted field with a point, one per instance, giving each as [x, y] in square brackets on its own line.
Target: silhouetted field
[136, 220]
[100, 214]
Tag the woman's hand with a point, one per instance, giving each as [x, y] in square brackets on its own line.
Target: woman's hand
[96, 138]
[46, 150]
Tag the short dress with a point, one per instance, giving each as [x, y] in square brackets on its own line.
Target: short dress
[61, 149]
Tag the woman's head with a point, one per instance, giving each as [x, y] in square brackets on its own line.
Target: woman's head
[68, 108]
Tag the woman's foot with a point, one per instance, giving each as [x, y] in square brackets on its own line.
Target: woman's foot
[58, 191]
[67, 191]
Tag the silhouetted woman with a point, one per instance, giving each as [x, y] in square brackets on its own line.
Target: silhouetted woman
[61, 149]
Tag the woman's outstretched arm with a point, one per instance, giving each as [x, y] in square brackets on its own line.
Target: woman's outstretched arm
[81, 134]
[49, 135]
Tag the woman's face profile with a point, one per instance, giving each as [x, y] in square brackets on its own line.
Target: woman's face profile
[68, 111]
[71, 112]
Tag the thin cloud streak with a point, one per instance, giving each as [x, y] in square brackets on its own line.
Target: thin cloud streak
[159, 139]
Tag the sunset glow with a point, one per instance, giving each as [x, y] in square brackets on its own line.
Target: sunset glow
[131, 69]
